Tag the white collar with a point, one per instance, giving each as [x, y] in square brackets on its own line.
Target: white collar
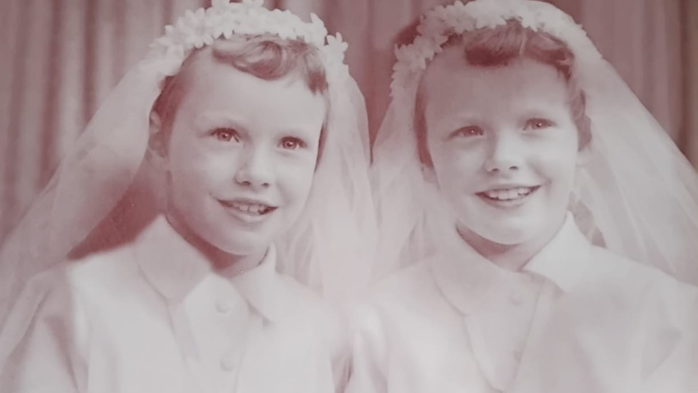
[174, 268]
[566, 259]
[466, 278]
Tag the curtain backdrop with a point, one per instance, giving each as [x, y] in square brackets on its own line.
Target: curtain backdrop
[59, 59]
[688, 139]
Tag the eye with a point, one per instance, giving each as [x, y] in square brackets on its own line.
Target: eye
[225, 134]
[468, 131]
[291, 143]
[538, 124]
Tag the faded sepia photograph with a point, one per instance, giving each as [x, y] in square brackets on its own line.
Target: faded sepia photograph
[349, 196]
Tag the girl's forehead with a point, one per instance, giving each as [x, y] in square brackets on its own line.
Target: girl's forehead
[205, 73]
[454, 78]
[214, 87]
[451, 67]
[451, 87]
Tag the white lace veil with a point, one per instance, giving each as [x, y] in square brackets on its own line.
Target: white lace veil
[638, 191]
[104, 189]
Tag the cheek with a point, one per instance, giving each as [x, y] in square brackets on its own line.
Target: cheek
[194, 171]
[457, 164]
[558, 157]
[295, 175]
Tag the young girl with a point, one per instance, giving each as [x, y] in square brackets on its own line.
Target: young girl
[510, 146]
[258, 130]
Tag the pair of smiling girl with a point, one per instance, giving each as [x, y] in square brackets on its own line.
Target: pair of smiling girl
[504, 120]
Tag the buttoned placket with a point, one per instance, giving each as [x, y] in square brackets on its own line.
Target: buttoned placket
[521, 299]
[470, 282]
[541, 314]
[222, 327]
[204, 308]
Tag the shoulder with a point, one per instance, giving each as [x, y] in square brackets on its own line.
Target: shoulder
[307, 311]
[405, 300]
[403, 317]
[663, 309]
[413, 284]
[56, 307]
[78, 281]
[49, 304]
[110, 270]
[627, 271]
[643, 285]
[302, 300]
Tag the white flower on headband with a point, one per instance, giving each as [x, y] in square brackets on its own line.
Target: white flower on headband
[225, 19]
[333, 51]
[442, 22]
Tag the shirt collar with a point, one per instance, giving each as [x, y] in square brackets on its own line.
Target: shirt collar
[463, 275]
[466, 278]
[174, 268]
[565, 260]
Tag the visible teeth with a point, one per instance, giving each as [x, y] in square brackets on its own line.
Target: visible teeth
[508, 194]
[250, 208]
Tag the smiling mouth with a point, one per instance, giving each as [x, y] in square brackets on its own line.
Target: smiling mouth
[248, 208]
[507, 194]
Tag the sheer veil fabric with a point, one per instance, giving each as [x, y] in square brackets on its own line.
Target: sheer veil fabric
[104, 188]
[637, 196]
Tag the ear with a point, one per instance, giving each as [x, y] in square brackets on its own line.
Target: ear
[429, 174]
[157, 144]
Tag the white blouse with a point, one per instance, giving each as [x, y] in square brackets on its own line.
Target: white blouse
[577, 319]
[153, 317]
[500, 326]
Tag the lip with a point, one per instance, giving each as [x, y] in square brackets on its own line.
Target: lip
[247, 217]
[246, 200]
[510, 203]
[508, 186]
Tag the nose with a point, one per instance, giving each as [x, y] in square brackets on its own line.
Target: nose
[256, 169]
[505, 154]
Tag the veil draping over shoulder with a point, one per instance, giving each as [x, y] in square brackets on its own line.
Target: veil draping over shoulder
[638, 192]
[104, 188]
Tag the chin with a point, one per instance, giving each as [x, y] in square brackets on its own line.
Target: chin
[508, 239]
[508, 235]
[243, 246]
[236, 242]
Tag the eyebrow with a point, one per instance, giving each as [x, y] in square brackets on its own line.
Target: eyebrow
[205, 121]
[208, 120]
[449, 123]
[299, 130]
[546, 111]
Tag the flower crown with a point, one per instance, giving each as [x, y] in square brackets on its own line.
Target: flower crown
[199, 28]
[439, 24]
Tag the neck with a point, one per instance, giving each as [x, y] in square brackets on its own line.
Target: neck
[220, 260]
[512, 257]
